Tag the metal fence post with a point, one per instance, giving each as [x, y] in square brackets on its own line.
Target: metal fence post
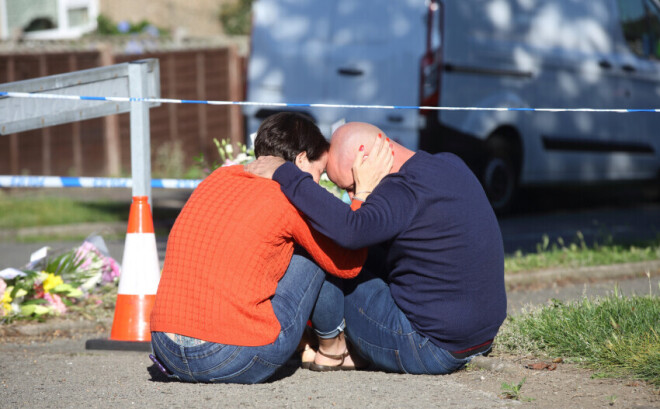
[140, 130]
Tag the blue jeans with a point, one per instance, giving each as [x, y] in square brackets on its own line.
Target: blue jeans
[381, 333]
[212, 362]
[328, 314]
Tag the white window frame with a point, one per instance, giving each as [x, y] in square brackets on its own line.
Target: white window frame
[4, 33]
[63, 31]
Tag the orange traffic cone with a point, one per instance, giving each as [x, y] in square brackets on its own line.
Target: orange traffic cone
[137, 285]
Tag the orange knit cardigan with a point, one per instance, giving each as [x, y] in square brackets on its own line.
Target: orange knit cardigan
[229, 247]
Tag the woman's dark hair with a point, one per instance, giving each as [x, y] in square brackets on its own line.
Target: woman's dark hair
[286, 134]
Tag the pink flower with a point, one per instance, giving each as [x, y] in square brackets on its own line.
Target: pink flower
[111, 270]
[86, 252]
[94, 260]
[55, 302]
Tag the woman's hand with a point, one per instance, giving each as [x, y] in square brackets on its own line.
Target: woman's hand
[369, 170]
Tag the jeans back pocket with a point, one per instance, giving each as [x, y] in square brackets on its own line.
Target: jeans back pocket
[384, 358]
[257, 370]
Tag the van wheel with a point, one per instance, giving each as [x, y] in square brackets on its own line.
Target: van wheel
[500, 176]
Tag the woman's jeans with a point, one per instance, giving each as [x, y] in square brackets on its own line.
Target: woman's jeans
[211, 362]
[328, 314]
[378, 330]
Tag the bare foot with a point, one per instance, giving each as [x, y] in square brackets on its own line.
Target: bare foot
[308, 355]
[307, 348]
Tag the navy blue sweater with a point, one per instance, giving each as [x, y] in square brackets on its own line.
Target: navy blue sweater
[445, 257]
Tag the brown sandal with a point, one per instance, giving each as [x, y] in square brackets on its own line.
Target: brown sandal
[329, 368]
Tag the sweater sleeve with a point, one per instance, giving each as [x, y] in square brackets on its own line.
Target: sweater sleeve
[386, 213]
[333, 259]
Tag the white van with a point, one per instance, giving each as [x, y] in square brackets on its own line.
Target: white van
[476, 53]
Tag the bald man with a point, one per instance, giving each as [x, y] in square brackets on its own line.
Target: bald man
[431, 295]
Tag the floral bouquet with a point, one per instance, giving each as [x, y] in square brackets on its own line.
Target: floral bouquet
[245, 156]
[50, 285]
[227, 158]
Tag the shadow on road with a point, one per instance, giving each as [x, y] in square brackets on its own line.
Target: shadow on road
[616, 214]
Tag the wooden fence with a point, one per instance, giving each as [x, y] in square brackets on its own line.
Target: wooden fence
[101, 147]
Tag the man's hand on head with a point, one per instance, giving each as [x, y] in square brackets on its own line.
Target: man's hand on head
[369, 170]
[264, 166]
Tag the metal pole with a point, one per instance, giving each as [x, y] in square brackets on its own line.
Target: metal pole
[140, 130]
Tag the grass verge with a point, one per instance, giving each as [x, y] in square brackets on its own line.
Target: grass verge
[20, 212]
[579, 254]
[615, 335]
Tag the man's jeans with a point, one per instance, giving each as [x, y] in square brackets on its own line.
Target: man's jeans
[211, 362]
[377, 328]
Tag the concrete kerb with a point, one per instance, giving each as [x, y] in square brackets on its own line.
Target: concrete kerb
[57, 326]
[521, 281]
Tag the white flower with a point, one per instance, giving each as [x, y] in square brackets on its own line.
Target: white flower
[243, 158]
[92, 282]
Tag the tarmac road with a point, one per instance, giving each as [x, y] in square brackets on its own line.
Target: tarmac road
[61, 374]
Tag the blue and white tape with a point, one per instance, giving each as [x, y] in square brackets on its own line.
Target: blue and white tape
[8, 181]
[294, 105]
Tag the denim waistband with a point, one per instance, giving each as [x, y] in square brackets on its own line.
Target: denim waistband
[184, 340]
[478, 349]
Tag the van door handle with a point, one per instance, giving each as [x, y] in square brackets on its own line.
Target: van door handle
[351, 72]
[628, 68]
[395, 118]
[604, 64]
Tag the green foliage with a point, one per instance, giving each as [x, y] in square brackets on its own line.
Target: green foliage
[16, 212]
[512, 391]
[67, 266]
[169, 161]
[105, 26]
[38, 210]
[615, 335]
[236, 17]
[578, 254]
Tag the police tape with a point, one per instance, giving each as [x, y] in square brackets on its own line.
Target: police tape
[11, 181]
[311, 105]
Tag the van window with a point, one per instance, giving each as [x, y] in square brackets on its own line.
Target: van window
[640, 20]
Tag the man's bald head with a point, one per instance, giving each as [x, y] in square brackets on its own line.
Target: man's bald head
[344, 145]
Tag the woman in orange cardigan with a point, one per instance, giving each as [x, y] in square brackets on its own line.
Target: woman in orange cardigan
[236, 292]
